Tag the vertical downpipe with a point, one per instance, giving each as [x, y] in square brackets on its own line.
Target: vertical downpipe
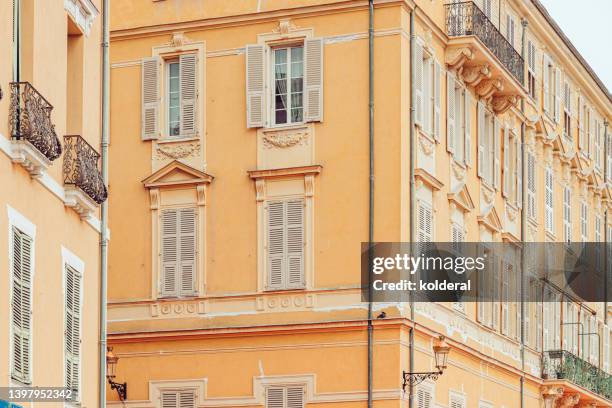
[104, 208]
[411, 217]
[606, 237]
[16, 40]
[371, 200]
[523, 225]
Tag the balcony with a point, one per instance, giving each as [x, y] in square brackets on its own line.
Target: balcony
[483, 57]
[34, 141]
[573, 377]
[84, 186]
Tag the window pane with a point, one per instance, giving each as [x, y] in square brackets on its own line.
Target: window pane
[174, 115]
[281, 116]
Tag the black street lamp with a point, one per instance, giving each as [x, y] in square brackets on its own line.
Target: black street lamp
[111, 366]
[441, 350]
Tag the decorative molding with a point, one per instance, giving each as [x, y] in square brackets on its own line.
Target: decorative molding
[285, 172]
[29, 157]
[501, 103]
[472, 75]
[284, 303]
[178, 40]
[428, 179]
[260, 189]
[191, 176]
[457, 57]
[285, 138]
[488, 87]
[551, 394]
[285, 26]
[177, 150]
[308, 185]
[458, 170]
[80, 202]
[82, 12]
[568, 401]
[201, 194]
[425, 145]
[154, 197]
[178, 309]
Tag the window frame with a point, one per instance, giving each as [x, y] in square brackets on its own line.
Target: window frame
[166, 106]
[271, 72]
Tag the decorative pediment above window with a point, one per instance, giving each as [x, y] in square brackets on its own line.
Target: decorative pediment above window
[422, 176]
[176, 173]
[82, 12]
[462, 199]
[490, 220]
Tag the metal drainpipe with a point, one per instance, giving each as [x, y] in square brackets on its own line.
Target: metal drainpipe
[16, 40]
[104, 207]
[606, 237]
[412, 201]
[371, 198]
[523, 226]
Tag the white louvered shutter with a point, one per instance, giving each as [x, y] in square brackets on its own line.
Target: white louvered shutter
[275, 398]
[497, 154]
[546, 84]
[255, 55]
[313, 79]
[531, 186]
[295, 243]
[186, 399]
[72, 329]
[450, 112]
[519, 172]
[150, 98]
[188, 93]
[506, 184]
[425, 219]
[418, 82]
[495, 296]
[548, 199]
[505, 318]
[276, 244]
[580, 124]
[457, 402]
[427, 96]
[567, 215]
[424, 398]
[169, 253]
[295, 397]
[187, 251]
[557, 95]
[169, 399]
[468, 127]
[437, 96]
[21, 306]
[481, 138]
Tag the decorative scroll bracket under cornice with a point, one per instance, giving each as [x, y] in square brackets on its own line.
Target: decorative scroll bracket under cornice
[82, 12]
[457, 57]
[501, 103]
[472, 75]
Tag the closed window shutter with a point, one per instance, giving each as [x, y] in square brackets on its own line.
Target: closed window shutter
[519, 173]
[21, 305]
[255, 55]
[295, 243]
[548, 199]
[468, 127]
[169, 252]
[531, 186]
[557, 94]
[450, 113]
[186, 399]
[285, 397]
[456, 402]
[72, 331]
[497, 154]
[150, 98]
[427, 95]
[437, 98]
[481, 138]
[188, 93]
[418, 82]
[313, 79]
[580, 124]
[606, 348]
[506, 183]
[424, 398]
[495, 295]
[169, 399]
[546, 84]
[505, 322]
[187, 244]
[424, 224]
[567, 215]
[178, 252]
[286, 244]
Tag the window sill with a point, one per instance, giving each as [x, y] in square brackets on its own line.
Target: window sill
[292, 126]
[177, 139]
[285, 291]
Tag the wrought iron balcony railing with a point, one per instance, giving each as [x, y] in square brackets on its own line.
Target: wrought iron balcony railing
[30, 119]
[81, 168]
[563, 365]
[463, 19]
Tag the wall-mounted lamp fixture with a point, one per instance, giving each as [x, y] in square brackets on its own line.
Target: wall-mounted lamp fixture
[111, 366]
[441, 350]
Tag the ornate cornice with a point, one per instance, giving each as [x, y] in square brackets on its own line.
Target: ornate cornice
[82, 12]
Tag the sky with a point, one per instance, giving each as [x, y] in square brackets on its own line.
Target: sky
[588, 25]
